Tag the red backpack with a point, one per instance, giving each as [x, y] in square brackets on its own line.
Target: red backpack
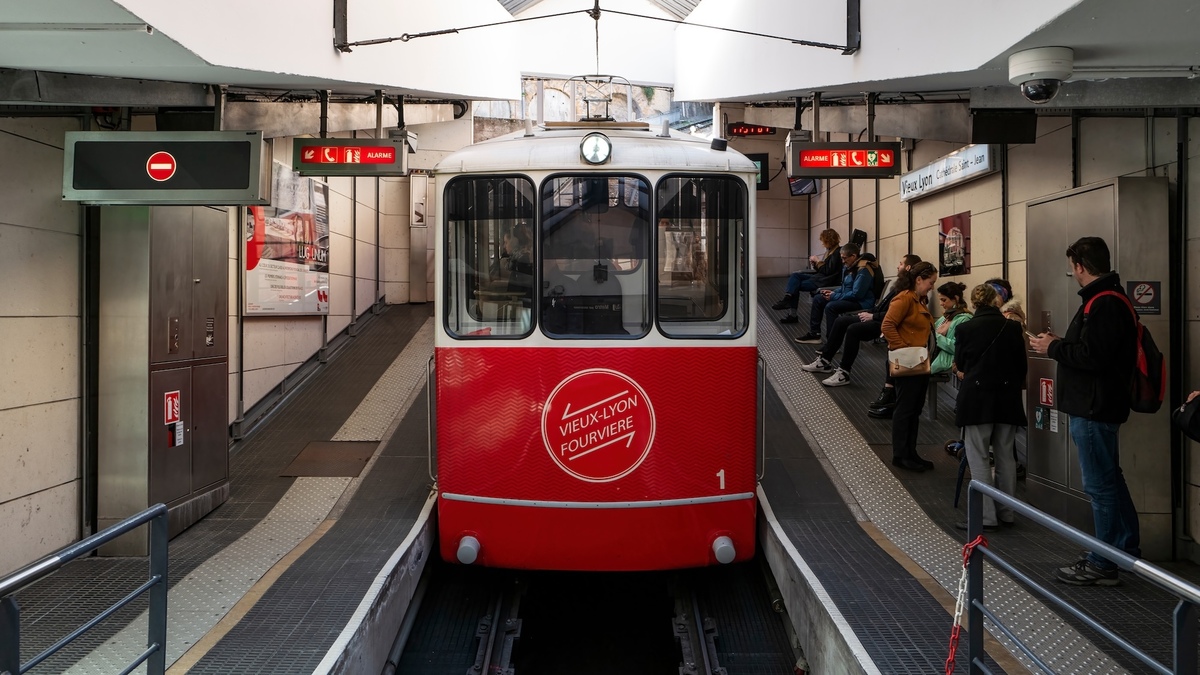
[1150, 372]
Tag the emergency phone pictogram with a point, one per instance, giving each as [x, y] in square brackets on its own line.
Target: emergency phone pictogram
[598, 425]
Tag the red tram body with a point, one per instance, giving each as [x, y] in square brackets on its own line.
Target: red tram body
[596, 376]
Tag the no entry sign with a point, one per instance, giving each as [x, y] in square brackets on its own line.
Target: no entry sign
[161, 166]
[598, 425]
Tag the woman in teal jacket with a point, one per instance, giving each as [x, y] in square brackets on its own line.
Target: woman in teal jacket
[954, 312]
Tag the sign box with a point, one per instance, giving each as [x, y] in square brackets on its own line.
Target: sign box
[157, 167]
[843, 160]
[350, 157]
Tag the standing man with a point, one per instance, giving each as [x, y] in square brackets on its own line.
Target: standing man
[1096, 360]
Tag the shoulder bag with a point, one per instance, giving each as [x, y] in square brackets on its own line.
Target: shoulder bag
[908, 361]
[1186, 419]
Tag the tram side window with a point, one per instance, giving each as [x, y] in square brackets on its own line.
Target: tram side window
[489, 256]
[593, 247]
[702, 262]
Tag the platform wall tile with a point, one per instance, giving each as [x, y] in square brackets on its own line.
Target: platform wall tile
[38, 447]
[36, 525]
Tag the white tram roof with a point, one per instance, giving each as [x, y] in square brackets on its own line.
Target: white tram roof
[555, 147]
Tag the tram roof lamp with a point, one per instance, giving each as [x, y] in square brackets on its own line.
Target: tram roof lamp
[1039, 72]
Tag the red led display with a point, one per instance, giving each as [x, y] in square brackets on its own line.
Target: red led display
[736, 129]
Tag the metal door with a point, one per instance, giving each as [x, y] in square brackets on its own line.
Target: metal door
[170, 441]
[170, 283]
[210, 282]
[209, 426]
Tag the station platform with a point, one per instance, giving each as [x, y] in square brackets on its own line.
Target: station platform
[301, 573]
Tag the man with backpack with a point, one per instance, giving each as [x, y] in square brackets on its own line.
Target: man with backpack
[1096, 362]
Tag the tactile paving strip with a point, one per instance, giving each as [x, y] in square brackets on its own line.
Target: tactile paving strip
[896, 513]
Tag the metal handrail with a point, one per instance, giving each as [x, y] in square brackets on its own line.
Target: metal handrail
[155, 656]
[1186, 616]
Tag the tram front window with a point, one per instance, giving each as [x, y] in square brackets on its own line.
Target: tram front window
[489, 256]
[594, 240]
[702, 262]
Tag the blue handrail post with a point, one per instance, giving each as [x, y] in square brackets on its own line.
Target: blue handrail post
[1185, 638]
[10, 636]
[157, 625]
[974, 583]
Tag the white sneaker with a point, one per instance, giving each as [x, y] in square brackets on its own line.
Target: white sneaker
[840, 378]
[820, 365]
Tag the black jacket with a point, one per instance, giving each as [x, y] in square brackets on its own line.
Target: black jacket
[990, 351]
[829, 271]
[1096, 357]
[881, 307]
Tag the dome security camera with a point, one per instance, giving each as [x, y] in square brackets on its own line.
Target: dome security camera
[1039, 72]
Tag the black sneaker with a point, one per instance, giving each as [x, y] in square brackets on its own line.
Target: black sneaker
[790, 318]
[1084, 573]
[962, 525]
[809, 338]
[880, 413]
[785, 303]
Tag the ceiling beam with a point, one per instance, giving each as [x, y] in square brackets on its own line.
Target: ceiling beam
[45, 88]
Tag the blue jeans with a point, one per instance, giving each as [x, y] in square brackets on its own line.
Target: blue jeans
[1115, 517]
[801, 281]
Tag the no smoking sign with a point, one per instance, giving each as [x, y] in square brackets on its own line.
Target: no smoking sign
[1146, 296]
[598, 425]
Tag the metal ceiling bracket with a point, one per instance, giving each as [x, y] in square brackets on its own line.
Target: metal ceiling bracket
[853, 27]
[341, 41]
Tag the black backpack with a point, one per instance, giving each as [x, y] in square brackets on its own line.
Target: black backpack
[877, 280]
[1150, 371]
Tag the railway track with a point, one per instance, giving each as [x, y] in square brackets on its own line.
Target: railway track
[717, 621]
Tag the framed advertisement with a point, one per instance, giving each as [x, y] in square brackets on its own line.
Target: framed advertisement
[287, 247]
[954, 244]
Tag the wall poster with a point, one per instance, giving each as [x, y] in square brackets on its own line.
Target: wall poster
[287, 247]
[954, 244]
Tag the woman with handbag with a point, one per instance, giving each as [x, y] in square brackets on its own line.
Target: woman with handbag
[991, 355]
[907, 327]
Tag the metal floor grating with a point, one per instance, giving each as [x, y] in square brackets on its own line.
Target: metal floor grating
[903, 628]
[315, 412]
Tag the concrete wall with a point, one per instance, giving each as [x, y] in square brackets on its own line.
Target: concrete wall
[39, 343]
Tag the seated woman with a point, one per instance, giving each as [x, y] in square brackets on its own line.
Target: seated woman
[954, 312]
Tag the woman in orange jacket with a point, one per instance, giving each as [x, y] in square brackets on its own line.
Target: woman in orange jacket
[908, 323]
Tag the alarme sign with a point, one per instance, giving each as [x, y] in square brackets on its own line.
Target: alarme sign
[843, 160]
[349, 157]
[598, 425]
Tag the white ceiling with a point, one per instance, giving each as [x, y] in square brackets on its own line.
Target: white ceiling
[101, 37]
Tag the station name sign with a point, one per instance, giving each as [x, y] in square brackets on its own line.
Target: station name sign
[349, 157]
[843, 160]
[969, 163]
[159, 167]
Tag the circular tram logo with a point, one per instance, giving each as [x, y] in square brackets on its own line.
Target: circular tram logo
[598, 425]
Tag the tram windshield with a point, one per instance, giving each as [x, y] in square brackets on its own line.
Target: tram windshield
[702, 260]
[489, 256]
[594, 242]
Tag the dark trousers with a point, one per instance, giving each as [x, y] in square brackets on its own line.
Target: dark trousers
[830, 309]
[851, 330]
[906, 418]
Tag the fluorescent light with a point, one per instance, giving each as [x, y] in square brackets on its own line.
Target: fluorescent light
[98, 27]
